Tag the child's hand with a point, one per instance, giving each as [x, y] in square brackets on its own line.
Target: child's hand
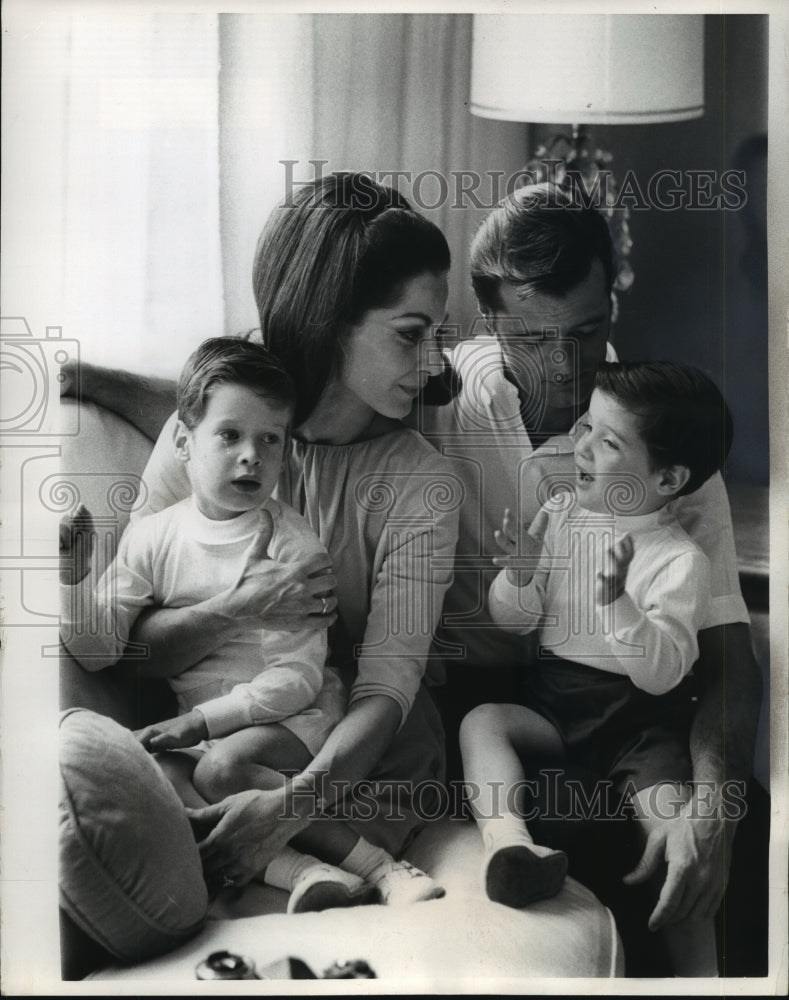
[610, 584]
[173, 734]
[76, 545]
[522, 545]
[68, 378]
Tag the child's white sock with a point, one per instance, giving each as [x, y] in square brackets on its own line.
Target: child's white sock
[363, 858]
[316, 885]
[283, 871]
[502, 831]
[397, 881]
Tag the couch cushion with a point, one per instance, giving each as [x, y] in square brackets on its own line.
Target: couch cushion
[463, 939]
[102, 466]
[133, 885]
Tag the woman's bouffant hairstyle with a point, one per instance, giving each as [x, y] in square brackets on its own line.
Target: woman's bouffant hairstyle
[335, 249]
[539, 241]
[683, 417]
[230, 361]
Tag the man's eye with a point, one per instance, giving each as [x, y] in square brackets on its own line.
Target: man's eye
[412, 336]
[271, 439]
[229, 435]
[585, 426]
[611, 444]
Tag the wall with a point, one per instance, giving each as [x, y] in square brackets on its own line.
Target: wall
[699, 294]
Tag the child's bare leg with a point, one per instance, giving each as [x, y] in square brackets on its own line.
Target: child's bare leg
[493, 738]
[179, 768]
[255, 758]
[690, 943]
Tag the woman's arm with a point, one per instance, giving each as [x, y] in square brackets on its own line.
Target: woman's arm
[248, 829]
[267, 594]
[354, 747]
[144, 400]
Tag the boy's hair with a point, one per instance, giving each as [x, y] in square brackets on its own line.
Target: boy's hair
[229, 360]
[684, 419]
[539, 241]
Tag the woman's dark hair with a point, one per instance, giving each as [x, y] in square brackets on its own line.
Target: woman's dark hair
[230, 360]
[538, 240]
[683, 418]
[334, 250]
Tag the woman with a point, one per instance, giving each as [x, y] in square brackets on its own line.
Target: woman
[350, 283]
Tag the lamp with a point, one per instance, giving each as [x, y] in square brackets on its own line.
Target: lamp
[615, 69]
[611, 69]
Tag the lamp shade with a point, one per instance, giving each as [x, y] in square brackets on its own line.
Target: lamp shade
[610, 69]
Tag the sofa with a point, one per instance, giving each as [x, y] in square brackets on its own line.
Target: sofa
[124, 879]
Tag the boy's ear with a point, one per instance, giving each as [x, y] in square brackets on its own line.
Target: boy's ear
[672, 479]
[181, 440]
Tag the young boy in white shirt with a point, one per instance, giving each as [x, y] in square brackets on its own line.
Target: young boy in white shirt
[617, 591]
[264, 702]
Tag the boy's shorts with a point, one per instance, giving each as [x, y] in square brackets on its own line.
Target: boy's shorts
[313, 725]
[613, 728]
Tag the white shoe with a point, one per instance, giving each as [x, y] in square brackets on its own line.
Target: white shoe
[324, 887]
[398, 883]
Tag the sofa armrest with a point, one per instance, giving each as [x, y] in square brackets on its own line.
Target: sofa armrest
[101, 466]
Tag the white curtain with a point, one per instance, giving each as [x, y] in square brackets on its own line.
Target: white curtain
[383, 93]
[265, 117]
[148, 148]
[125, 187]
[391, 93]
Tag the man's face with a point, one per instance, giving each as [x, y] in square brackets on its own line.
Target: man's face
[552, 345]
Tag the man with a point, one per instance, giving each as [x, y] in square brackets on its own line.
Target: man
[542, 271]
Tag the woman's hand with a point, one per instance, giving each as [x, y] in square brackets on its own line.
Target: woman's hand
[173, 734]
[273, 595]
[244, 832]
[522, 545]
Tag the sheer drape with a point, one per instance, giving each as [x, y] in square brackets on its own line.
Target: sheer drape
[265, 91]
[142, 269]
[391, 94]
[154, 148]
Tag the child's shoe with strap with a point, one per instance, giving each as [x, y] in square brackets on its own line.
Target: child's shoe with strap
[399, 882]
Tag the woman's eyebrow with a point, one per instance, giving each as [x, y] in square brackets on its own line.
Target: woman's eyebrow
[422, 317]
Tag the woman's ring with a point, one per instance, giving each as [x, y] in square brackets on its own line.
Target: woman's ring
[325, 607]
[227, 881]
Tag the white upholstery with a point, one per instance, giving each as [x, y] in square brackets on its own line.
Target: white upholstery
[460, 939]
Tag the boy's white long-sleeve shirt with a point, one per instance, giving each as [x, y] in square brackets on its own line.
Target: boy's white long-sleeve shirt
[178, 558]
[482, 432]
[649, 633]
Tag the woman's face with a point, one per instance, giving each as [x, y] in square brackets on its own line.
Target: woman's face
[389, 355]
